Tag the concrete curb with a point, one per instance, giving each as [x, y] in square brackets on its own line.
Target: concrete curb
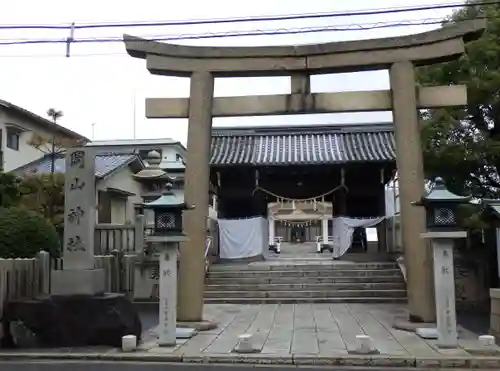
[492, 363]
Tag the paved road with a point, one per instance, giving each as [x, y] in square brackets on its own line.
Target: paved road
[150, 366]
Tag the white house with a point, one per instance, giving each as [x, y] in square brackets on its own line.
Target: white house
[17, 127]
[172, 154]
[172, 151]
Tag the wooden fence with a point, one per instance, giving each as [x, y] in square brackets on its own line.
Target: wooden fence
[126, 238]
[24, 278]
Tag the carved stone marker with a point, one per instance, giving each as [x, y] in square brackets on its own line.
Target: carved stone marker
[168, 296]
[444, 279]
[444, 282]
[78, 313]
[78, 275]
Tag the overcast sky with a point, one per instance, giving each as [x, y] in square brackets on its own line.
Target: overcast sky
[98, 83]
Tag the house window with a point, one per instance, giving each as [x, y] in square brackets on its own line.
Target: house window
[178, 157]
[13, 140]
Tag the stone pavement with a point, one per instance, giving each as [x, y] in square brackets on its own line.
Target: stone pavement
[300, 334]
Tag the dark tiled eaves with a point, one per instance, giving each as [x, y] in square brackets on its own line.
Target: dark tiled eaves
[303, 149]
[377, 146]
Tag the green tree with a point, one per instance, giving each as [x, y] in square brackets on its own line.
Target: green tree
[44, 194]
[463, 144]
[10, 190]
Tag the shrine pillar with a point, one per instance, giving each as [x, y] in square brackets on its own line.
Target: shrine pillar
[418, 255]
[324, 230]
[272, 229]
[196, 192]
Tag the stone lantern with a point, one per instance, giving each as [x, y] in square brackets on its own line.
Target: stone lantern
[152, 173]
[166, 237]
[442, 230]
[167, 211]
[441, 207]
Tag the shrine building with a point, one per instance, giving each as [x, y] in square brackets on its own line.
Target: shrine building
[299, 179]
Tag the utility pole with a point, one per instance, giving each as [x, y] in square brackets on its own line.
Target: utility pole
[134, 123]
[93, 130]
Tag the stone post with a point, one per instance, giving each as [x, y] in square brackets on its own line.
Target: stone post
[167, 293]
[78, 276]
[196, 192]
[444, 282]
[411, 187]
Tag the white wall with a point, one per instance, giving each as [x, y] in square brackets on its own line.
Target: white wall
[391, 201]
[169, 155]
[122, 179]
[26, 153]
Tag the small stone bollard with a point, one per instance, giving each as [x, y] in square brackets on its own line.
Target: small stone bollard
[365, 345]
[486, 340]
[245, 344]
[129, 343]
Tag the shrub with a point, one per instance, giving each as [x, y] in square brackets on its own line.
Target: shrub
[23, 233]
[44, 193]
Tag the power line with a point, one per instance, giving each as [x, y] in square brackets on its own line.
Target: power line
[257, 32]
[252, 18]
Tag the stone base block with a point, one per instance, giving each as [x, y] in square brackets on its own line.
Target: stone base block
[77, 282]
[199, 325]
[495, 312]
[180, 332]
[70, 321]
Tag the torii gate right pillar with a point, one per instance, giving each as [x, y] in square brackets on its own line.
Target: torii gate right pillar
[411, 187]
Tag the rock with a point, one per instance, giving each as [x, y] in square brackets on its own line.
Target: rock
[22, 336]
[73, 320]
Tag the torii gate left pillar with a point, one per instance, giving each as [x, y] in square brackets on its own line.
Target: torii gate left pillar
[197, 177]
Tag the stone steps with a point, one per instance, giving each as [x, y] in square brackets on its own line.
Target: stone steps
[310, 272]
[304, 293]
[306, 286]
[289, 281]
[293, 266]
[333, 300]
[244, 281]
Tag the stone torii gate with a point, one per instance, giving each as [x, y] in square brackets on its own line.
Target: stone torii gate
[400, 55]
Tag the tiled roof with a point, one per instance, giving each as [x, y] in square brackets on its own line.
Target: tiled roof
[104, 164]
[303, 145]
[133, 142]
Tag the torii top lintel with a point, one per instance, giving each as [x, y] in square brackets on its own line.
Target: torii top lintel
[444, 44]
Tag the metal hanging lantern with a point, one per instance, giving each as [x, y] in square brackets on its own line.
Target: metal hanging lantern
[167, 211]
[441, 207]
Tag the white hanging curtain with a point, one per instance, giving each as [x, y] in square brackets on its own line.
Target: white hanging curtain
[343, 229]
[242, 238]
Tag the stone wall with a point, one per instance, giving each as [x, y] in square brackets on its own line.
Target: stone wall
[495, 312]
[471, 291]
